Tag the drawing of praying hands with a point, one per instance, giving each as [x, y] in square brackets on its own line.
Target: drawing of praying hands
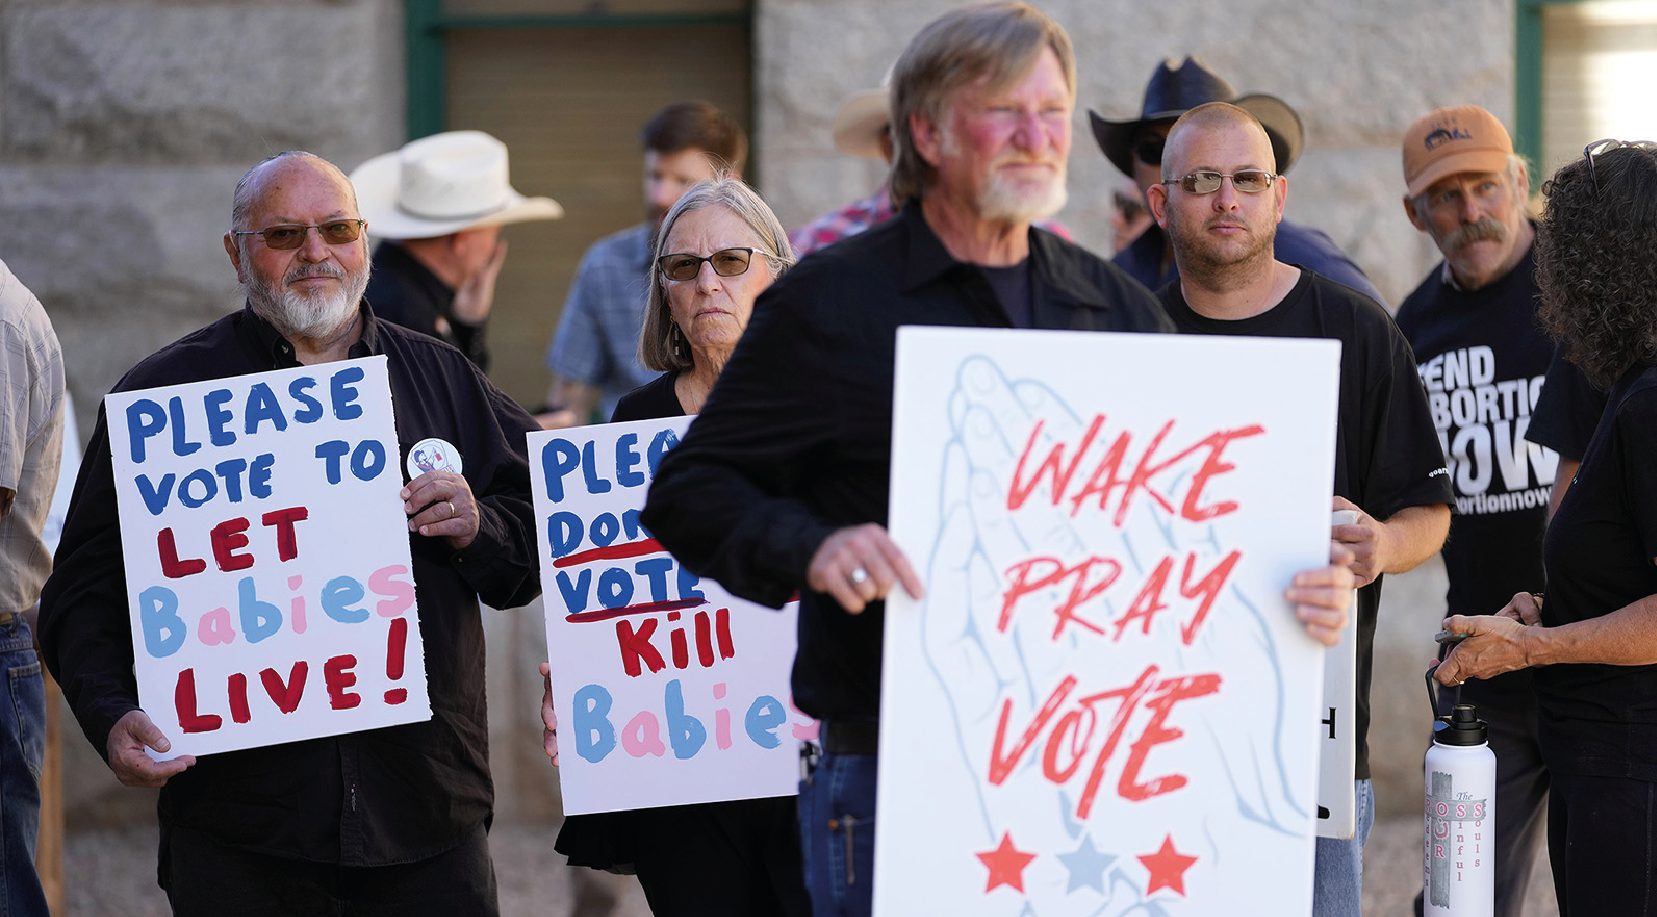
[981, 656]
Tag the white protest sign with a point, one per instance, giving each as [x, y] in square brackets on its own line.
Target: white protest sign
[1103, 705]
[1337, 719]
[669, 690]
[267, 559]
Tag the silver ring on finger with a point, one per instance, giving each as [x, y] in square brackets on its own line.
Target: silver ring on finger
[858, 576]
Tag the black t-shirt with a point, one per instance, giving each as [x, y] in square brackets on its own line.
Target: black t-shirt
[1012, 289]
[1569, 409]
[650, 401]
[1601, 720]
[1482, 358]
[1387, 456]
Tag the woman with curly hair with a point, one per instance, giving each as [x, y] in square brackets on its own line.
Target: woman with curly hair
[1594, 640]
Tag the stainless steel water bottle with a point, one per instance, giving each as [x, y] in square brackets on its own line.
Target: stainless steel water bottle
[1459, 849]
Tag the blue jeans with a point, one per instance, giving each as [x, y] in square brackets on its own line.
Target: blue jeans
[22, 749]
[837, 835]
[1338, 874]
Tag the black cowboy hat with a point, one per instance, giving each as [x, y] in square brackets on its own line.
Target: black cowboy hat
[1172, 92]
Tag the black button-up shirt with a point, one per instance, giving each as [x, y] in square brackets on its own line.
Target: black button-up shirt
[390, 795]
[796, 439]
[404, 291]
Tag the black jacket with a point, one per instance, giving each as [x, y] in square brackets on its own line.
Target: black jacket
[796, 439]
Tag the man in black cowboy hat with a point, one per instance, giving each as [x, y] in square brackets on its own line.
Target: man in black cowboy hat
[1135, 147]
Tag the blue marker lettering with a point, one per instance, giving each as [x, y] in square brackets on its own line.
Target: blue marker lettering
[765, 714]
[595, 737]
[685, 732]
[164, 630]
[342, 394]
[217, 417]
[260, 619]
[144, 419]
[339, 595]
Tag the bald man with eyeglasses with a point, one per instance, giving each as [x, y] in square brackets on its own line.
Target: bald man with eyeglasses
[391, 820]
[1219, 201]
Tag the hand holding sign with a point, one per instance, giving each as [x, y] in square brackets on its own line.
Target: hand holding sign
[133, 766]
[859, 564]
[1322, 598]
[440, 504]
[1365, 539]
[549, 716]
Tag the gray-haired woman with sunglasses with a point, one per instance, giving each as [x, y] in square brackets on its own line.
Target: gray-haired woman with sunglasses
[1593, 640]
[719, 247]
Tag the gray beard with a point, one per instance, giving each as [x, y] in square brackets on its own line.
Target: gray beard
[301, 316]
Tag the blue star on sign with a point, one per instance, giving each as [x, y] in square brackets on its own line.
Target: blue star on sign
[1086, 866]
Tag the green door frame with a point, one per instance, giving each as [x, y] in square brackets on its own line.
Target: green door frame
[425, 25]
[1527, 74]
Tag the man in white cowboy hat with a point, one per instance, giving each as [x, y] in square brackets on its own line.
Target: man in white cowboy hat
[594, 356]
[862, 128]
[437, 206]
[1134, 145]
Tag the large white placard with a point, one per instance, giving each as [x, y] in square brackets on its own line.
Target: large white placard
[1103, 705]
[269, 582]
[669, 689]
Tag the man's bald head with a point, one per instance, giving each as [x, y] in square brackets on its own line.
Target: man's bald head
[252, 184]
[1212, 117]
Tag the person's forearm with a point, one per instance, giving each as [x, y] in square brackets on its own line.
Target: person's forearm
[1414, 534]
[1627, 636]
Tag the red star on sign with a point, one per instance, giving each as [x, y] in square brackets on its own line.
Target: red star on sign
[1167, 867]
[1006, 864]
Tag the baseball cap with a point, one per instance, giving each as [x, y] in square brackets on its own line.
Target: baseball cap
[1465, 138]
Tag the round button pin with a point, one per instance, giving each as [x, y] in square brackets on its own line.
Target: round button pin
[432, 455]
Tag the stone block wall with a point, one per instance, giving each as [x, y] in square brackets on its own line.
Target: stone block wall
[124, 125]
[1357, 73]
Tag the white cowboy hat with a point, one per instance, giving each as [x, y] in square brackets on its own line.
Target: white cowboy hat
[442, 184]
[861, 122]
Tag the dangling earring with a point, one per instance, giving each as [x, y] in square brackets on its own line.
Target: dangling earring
[677, 337]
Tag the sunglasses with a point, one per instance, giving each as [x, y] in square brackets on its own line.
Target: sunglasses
[1149, 150]
[729, 262]
[1601, 147]
[288, 236]
[1206, 181]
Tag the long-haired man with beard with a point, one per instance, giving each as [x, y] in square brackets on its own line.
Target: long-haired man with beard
[389, 820]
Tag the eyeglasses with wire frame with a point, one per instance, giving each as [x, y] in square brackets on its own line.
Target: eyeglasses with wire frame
[288, 236]
[727, 262]
[1601, 147]
[1208, 181]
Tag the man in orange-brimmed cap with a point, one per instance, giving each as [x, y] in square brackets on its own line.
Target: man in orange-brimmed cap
[1482, 357]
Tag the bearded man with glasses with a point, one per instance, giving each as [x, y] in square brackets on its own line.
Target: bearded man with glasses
[388, 820]
[1220, 202]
